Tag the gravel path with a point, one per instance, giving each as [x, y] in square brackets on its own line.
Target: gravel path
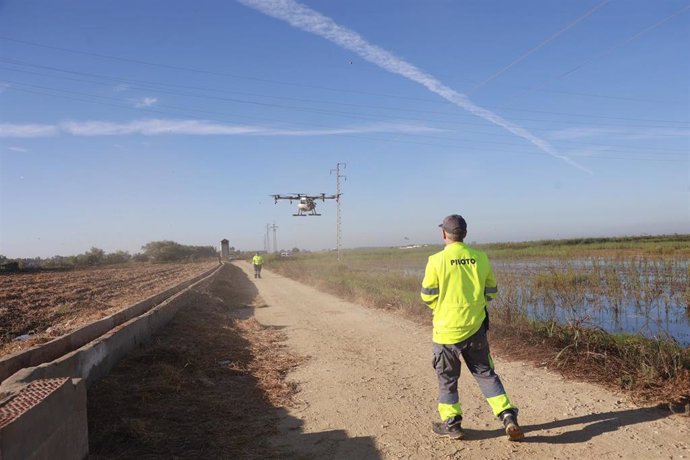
[368, 390]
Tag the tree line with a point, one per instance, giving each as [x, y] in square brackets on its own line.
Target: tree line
[155, 251]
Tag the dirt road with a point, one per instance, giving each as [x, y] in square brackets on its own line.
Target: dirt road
[368, 390]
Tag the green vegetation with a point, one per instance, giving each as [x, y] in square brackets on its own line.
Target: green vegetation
[560, 280]
[577, 277]
[155, 251]
[577, 247]
[170, 251]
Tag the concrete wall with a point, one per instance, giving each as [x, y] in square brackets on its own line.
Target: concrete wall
[45, 420]
[54, 423]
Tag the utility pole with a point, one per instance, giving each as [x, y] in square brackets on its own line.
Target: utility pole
[267, 241]
[337, 199]
[275, 241]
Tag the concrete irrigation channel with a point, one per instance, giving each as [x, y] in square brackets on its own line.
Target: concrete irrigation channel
[43, 389]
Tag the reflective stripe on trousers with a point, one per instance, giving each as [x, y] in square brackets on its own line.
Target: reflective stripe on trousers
[475, 351]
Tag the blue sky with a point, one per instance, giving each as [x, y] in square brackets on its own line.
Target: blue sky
[124, 122]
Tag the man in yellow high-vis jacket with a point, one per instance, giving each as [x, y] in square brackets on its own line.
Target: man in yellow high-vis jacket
[458, 282]
[258, 262]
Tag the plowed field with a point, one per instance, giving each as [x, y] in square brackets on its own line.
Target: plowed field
[37, 307]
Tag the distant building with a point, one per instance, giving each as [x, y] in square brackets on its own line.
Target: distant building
[224, 248]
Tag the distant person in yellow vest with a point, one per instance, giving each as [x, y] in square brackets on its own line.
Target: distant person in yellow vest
[458, 283]
[257, 261]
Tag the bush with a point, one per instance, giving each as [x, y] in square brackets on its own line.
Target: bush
[170, 251]
[117, 257]
[139, 257]
[93, 256]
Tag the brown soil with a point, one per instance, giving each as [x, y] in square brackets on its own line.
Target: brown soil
[45, 305]
[210, 385]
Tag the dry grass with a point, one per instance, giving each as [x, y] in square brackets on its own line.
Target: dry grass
[210, 385]
[648, 372]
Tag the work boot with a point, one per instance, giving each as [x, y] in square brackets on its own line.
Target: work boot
[450, 428]
[513, 430]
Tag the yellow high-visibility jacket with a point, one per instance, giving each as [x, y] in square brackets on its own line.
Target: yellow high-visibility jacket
[457, 283]
[258, 260]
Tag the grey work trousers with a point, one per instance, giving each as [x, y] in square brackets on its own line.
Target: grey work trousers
[475, 352]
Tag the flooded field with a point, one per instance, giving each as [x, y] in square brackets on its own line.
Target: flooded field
[642, 295]
[639, 295]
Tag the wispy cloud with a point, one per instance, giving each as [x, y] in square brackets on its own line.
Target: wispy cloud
[27, 130]
[155, 127]
[664, 133]
[152, 128]
[579, 133]
[304, 18]
[626, 134]
[373, 128]
[122, 87]
[145, 102]
[17, 149]
[4, 86]
[590, 152]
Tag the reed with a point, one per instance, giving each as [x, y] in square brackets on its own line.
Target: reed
[663, 245]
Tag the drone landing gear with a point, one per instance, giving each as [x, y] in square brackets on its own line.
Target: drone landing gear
[305, 215]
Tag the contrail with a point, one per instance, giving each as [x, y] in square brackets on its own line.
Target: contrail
[305, 18]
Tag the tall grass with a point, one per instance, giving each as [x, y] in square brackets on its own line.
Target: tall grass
[353, 281]
[663, 245]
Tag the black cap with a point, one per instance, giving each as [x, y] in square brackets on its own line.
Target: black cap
[454, 224]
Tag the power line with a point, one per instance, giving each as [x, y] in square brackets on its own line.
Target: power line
[483, 142]
[596, 95]
[279, 82]
[612, 48]
[248, 78]
[335, 102]
[536, 48]
[625, 42]
[189, 69]
[156, 86]
[426, 144]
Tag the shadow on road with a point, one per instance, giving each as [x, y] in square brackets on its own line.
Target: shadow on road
[205, 387]
[595, 425]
